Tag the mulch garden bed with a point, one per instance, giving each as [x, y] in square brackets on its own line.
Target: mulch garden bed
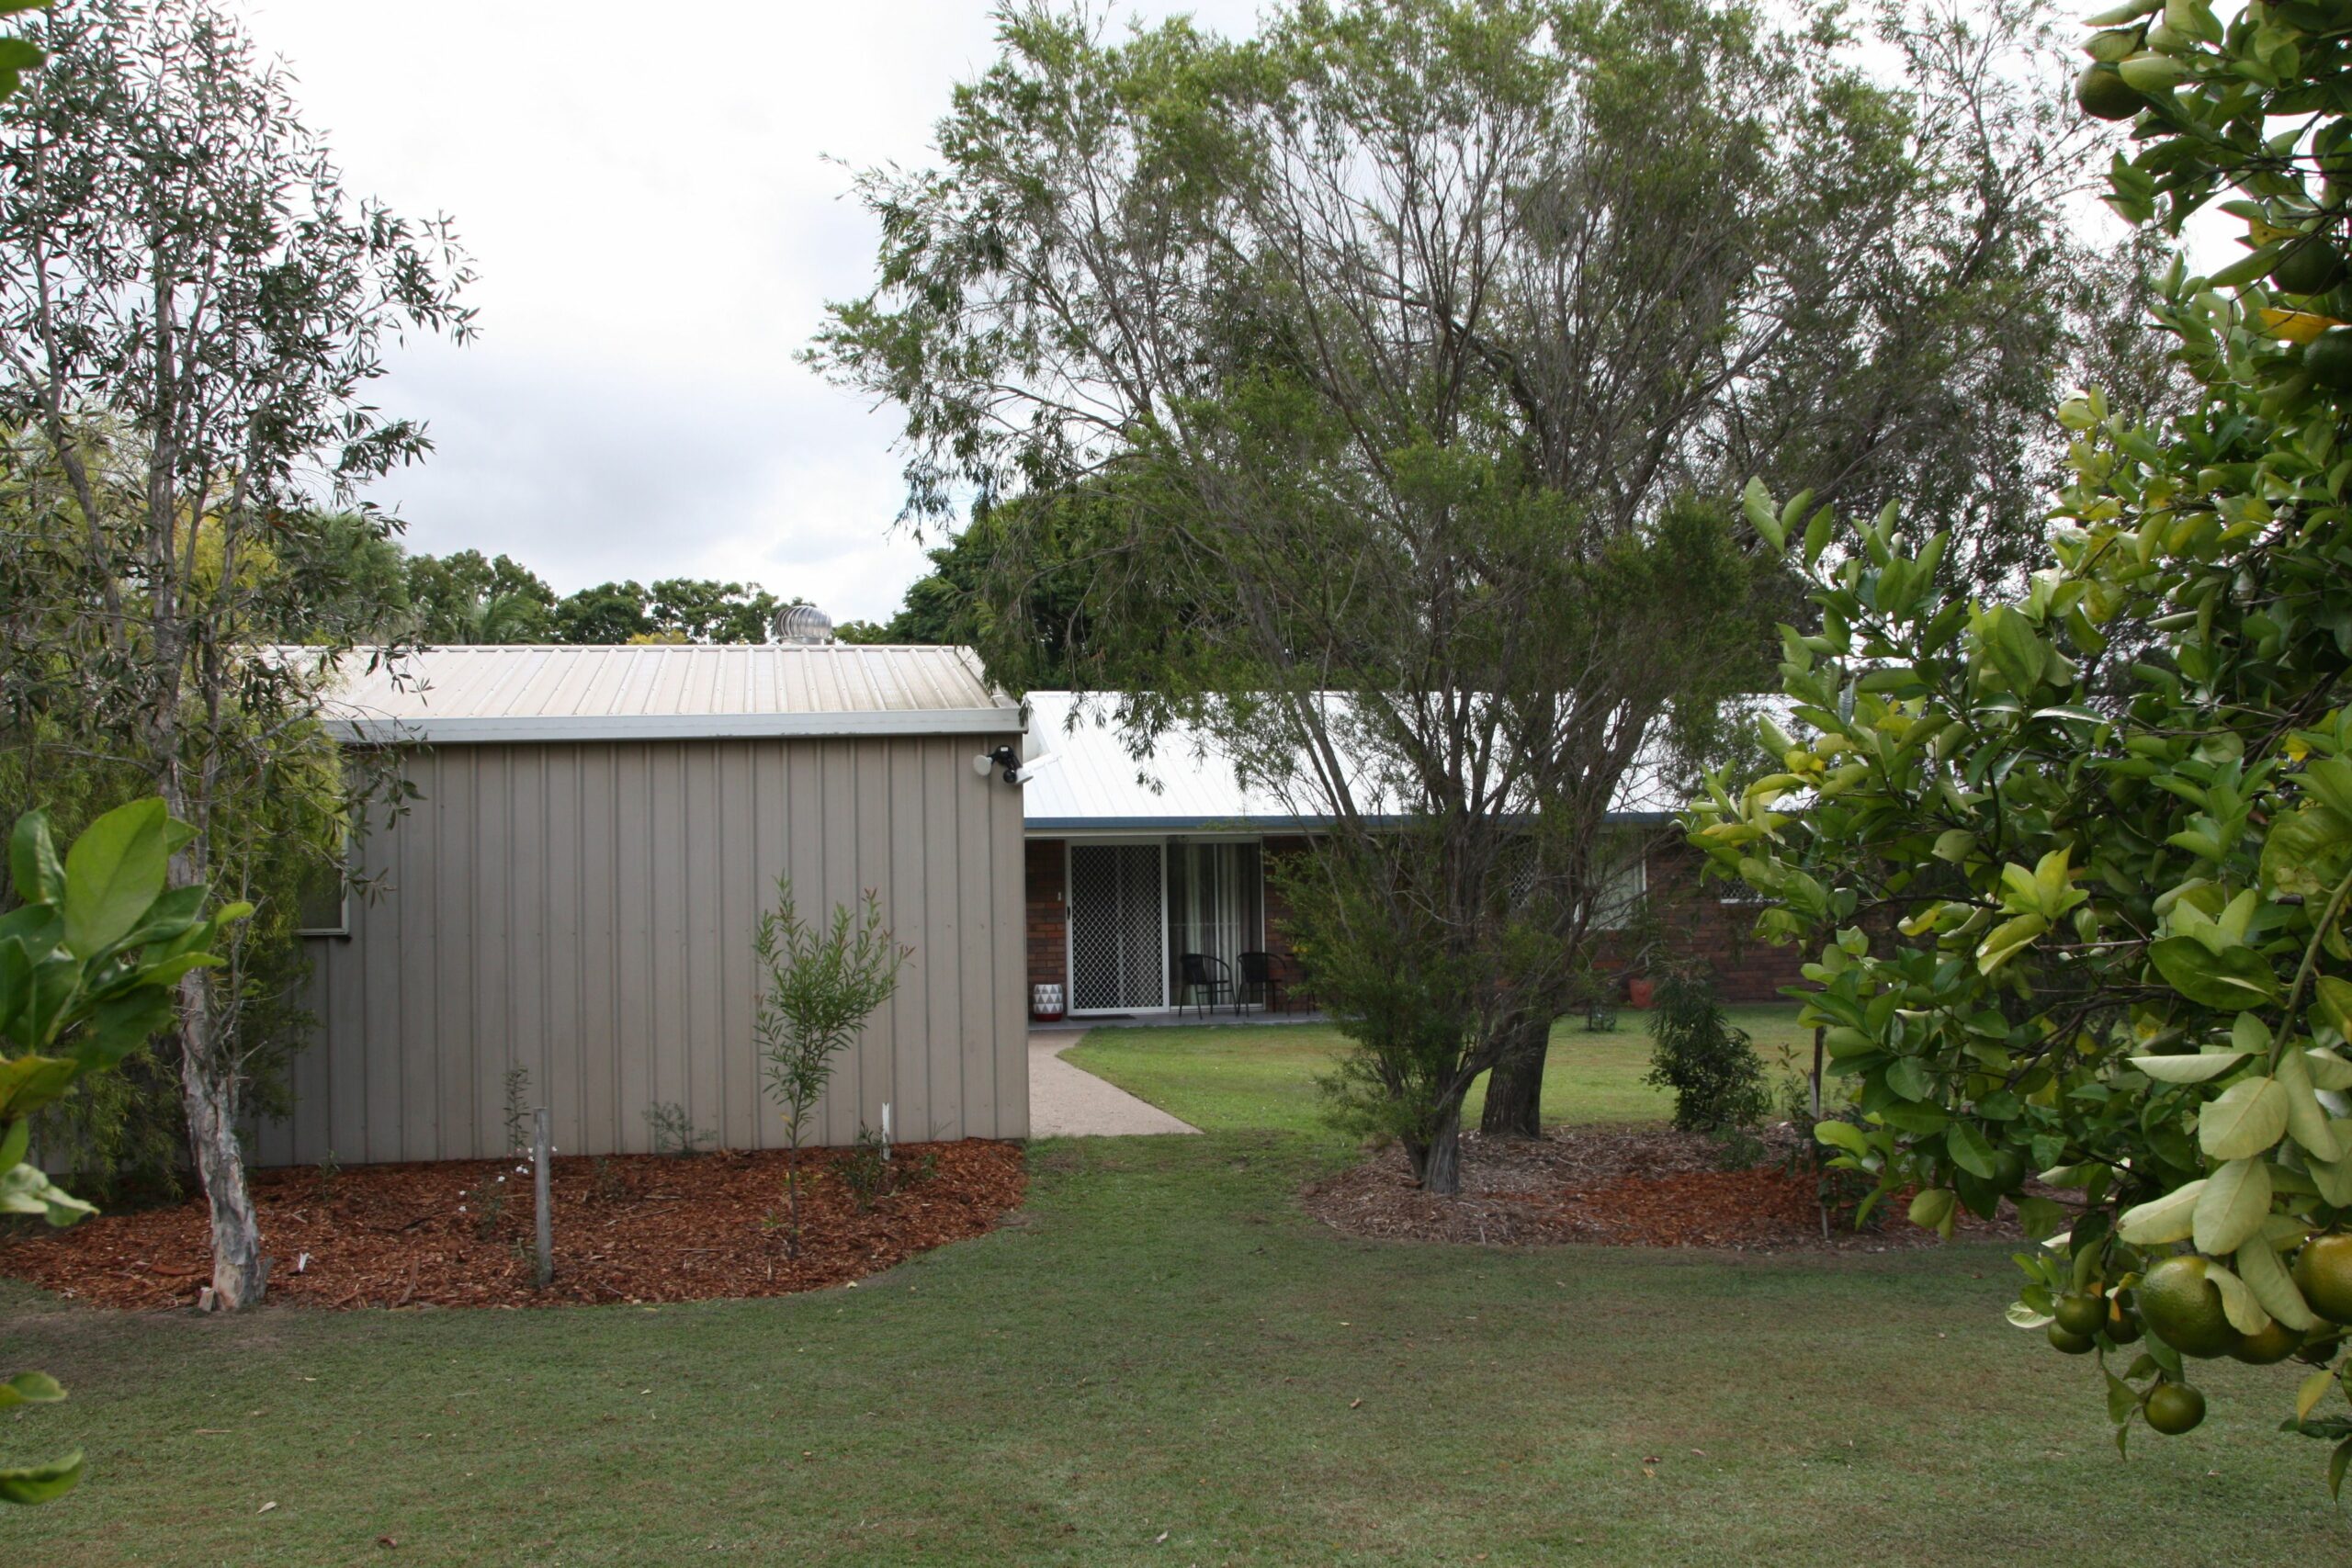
[1614, 1186]
[632, 1228]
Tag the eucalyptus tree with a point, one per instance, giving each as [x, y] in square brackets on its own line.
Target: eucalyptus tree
[193, 308]
[1399, 352]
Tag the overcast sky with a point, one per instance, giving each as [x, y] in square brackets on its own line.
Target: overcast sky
[647, 197]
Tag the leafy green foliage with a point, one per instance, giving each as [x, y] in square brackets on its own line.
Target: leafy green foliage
[2078, 859]
[196, 308]
[89, 958]
[823, 983]
[464, 598]
[1709, 1064]
[1407, 350]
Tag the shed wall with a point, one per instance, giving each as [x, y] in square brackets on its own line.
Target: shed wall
[585, 912]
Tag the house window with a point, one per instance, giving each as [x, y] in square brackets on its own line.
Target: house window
[1622, 880]
[1620, 876]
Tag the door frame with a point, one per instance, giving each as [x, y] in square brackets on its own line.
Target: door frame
[1069, 923]
[1167, 935]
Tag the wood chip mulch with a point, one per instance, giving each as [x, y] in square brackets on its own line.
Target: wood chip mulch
[1612, 1186]
[638, 1228]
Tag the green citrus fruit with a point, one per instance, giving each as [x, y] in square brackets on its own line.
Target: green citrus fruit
[2329, 359]
[2309, 266]
[2183, 1308]
[2082, 1315]
[2104, 94]
[2174, 1408]
[2008, 1170]
[2122, 1326]
[2324, 1267]
[2275, 1343]
[2072, 1344]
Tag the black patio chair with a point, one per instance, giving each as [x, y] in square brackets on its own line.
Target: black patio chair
[1202, 980]
[1261, 982]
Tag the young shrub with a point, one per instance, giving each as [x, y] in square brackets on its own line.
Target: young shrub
[1718, 1084]
[823, 983]
[673, 1131]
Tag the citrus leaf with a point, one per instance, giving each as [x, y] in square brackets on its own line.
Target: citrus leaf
[2023, 1316]
[2008, 940]
[1842, 1135]
[2229, 1211]
[2231, 979]
[2169, 1218]
[2238, 1303]
[41, 1482]
[1969, 1150]
[1932, 1207]
[2247, 1117]
[2333, 1180]
[2326, 1070]
[2267, 1277]
[2337, 1463]
[2306, 1118]
[2335, 998]
[1757, 502]
[29, 1388]
[2197, 1068]
[2313, 1390]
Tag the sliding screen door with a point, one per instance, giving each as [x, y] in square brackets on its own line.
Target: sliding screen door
[1118, 953]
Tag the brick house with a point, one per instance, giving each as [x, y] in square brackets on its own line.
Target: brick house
[1129, 865]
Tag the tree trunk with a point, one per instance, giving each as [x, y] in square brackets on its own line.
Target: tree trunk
[209, 1092]
[1515, 1089]
[1437, 1164]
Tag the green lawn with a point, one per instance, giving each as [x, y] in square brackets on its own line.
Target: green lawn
[1263, 1075]
[1163, 1345]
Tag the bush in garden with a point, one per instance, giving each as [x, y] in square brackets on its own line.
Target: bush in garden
[1708, 1064]
[2077, 861]
[823, 983]
[88, 960]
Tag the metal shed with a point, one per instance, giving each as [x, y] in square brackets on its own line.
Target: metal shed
[574, 895]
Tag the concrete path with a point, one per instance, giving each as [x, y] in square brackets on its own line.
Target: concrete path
[1066, 1102]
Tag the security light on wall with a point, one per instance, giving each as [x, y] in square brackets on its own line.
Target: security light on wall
[1016, 771]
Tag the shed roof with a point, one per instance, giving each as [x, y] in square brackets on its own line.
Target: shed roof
[1188, 784]
[665, 691]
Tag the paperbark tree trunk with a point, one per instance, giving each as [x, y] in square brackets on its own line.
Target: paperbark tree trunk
[209, 1092]
[209, 1088]
[1514, 1106]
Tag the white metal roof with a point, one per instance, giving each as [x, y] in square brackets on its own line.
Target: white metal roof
[1186, 785]
[664, 692]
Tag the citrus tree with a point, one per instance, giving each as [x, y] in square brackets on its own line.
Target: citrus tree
[89, 962]
[2077, 859]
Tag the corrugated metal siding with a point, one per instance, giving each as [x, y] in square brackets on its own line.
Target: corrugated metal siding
[585, 912]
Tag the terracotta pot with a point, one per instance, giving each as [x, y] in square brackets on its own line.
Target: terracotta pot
[1638, 992]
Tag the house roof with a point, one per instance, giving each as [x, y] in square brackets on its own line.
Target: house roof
[663, 692]
[1188, 784]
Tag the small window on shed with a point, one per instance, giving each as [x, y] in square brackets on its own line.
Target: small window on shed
[325, 906]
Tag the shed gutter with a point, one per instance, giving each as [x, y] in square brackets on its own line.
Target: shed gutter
[526, 729]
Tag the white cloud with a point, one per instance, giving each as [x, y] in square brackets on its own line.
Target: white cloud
[648, 201]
